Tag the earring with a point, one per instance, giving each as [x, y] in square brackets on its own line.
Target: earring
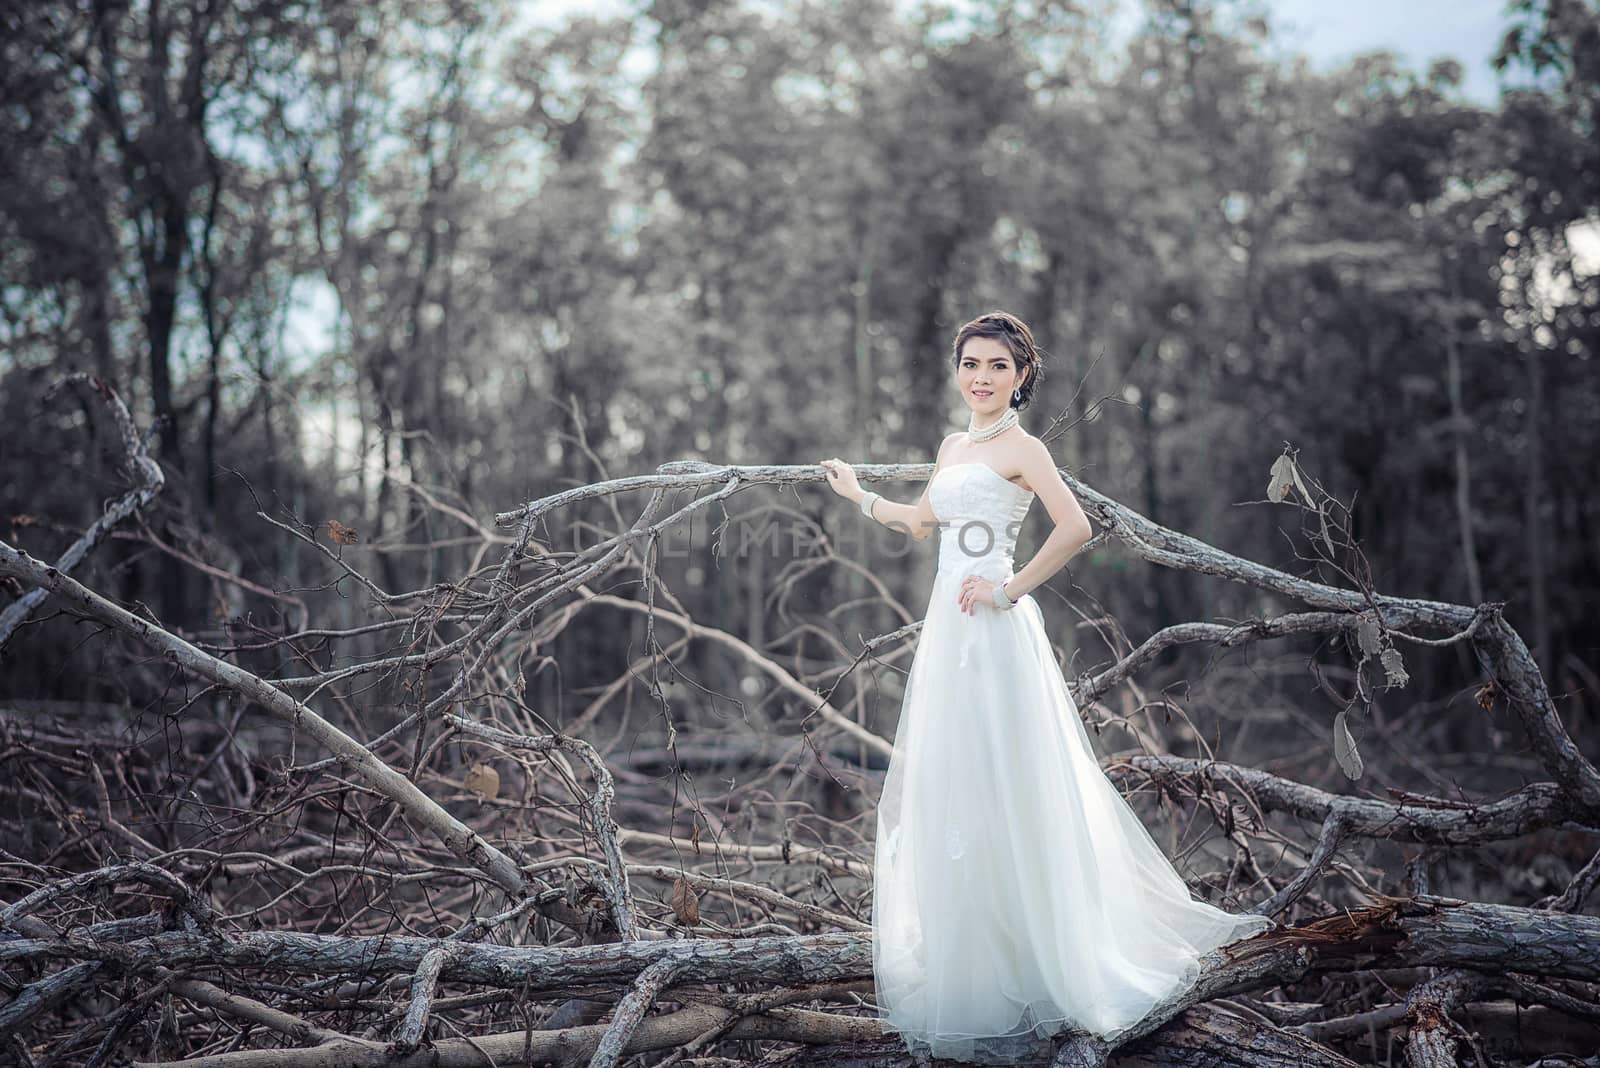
[1016, 394]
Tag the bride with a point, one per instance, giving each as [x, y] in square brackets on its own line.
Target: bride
[1015, 894]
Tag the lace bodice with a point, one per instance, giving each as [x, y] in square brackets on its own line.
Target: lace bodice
[980, 513]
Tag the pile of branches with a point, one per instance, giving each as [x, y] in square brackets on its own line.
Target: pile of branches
[254, 868]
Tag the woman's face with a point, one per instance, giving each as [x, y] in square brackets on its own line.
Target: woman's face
[987, 373]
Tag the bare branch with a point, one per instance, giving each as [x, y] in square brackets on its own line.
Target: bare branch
[138, 459]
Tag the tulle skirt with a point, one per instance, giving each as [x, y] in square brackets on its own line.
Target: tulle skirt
[1016, 895]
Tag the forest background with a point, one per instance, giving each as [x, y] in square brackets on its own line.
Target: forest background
[355, 254]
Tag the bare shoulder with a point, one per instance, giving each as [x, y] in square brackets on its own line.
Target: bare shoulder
[1035, 449]
[1034, 460]
[1026, 450]
[950, 440]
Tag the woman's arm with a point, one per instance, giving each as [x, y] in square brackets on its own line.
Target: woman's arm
[1072, 530]
[916, 519]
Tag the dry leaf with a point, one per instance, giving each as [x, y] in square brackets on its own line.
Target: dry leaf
[1327, 534]
[1294, 473]
[1394, 668]
[1486, 695]
[1281, 479]
[340, 534]
[685, 906]
[1344, 746]
[1367, 633]
[482, 780]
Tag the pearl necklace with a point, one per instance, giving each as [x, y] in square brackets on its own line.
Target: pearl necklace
[999, 426]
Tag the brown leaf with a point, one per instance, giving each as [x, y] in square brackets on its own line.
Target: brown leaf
[1486, 695]
[22, 521]
[685, 906]
[482, 780]
[340, 534]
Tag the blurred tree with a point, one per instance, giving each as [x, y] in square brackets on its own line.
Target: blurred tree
[423, 246]
[117, 112]
[1549, 145]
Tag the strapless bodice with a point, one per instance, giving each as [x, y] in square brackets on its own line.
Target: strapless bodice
[980, 513]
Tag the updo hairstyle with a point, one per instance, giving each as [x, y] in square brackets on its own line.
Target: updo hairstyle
[1014, 333]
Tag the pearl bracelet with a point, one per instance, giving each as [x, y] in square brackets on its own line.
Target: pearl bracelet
[999, 597]
[867, 502]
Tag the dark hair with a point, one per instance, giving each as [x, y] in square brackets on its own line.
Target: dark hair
[1005, 327]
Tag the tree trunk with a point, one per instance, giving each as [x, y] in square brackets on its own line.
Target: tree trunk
[1533, 511]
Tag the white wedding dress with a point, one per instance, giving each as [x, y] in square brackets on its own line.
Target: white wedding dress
[1016, 894]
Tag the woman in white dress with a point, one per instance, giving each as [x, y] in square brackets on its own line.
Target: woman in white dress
[1015, 894]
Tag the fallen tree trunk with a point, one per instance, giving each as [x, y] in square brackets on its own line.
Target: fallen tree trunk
[1398, 932]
